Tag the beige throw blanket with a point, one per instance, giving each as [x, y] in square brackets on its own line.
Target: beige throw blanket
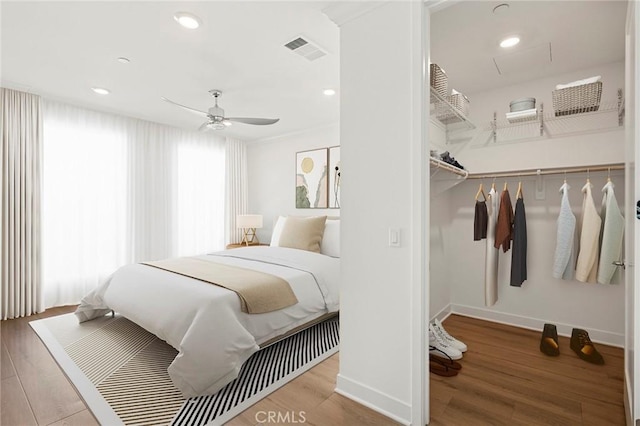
[259, 292]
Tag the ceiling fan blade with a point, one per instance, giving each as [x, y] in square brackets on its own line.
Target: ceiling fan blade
[185, 107]
[257, 121]
[205, 126]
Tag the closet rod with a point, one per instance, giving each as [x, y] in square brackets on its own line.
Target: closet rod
[548, 171]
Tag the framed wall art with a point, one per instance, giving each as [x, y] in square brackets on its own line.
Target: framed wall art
[335, 170]
[312, 182]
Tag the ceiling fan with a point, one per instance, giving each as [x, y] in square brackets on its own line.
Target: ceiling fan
[215, 115]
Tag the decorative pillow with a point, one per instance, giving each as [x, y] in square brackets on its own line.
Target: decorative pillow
[304, 233]
[277, 231]
[331, 239]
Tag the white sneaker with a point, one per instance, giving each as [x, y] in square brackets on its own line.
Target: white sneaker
[439, 329]
[438, 346]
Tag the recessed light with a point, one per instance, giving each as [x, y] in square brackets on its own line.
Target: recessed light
[123, 60]
[329, 92]
[509, 42]
[100, 90]
[187, 20]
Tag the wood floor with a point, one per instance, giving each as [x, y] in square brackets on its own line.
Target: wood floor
[505, 380]
[34, 391]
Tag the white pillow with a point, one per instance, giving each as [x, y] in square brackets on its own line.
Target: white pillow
[277, 231]
[331, 239]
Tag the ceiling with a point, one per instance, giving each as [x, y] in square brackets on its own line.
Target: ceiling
[62, 49]
[574, 34]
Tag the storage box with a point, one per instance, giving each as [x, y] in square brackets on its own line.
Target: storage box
[577, 99]
[438, 80]
[522, 104]
[459, 102]
[445, 111]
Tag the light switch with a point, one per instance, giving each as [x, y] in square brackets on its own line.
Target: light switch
[394, 237]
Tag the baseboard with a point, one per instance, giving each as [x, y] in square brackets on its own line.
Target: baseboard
[598, 336]
[374, 399]
[443, 313]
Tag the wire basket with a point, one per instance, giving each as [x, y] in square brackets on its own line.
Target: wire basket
[459, 102]
[438, 80]
[577, 99]
[445, 111]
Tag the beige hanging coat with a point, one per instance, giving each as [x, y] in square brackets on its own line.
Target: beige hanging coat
[587, 265]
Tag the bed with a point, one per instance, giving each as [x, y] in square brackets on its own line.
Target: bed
[205, 323]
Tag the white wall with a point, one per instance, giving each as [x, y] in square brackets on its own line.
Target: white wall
[439, 253]
[272, 172]
[596, 148]
[378, 50]
[599, 309]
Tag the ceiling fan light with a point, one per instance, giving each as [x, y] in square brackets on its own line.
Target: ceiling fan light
[227, 123]
[216, 125]
[187, 20]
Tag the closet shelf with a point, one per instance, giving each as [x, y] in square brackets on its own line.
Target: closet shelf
[446, 116]
[546, 124]
[444, 176]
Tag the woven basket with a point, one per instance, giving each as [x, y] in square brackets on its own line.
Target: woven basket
[438, 80]
[577, 99]
[459, 102]
[443, 110]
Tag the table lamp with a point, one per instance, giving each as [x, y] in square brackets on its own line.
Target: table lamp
[248, 223]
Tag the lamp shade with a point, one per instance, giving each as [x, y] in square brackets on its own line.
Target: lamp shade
[249, 221]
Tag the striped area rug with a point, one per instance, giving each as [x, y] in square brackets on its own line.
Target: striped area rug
[128, 367]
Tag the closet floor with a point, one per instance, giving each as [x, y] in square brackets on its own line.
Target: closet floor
[506, 380]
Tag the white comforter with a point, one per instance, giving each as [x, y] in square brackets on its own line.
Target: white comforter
[203, 322]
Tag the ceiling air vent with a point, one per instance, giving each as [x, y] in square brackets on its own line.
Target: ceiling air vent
[305, 48]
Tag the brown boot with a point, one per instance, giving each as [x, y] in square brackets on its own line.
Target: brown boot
[549, 341]
[581, 344]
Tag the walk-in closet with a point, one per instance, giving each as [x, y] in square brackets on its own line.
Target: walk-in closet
[546, 115]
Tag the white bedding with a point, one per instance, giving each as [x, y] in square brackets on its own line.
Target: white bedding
[203, 322]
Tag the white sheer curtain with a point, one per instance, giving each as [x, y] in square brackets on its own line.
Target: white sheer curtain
[119, 190]
[236, 187]
[20, 205]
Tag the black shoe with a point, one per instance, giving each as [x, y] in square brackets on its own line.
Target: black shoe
[583, 347]
[549, 341]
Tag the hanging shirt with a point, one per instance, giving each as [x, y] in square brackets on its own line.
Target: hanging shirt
[480, 221]
[491, 259]
[587, 265]
[612, 234]
[564, 254]
[504, 226]
[519, 252]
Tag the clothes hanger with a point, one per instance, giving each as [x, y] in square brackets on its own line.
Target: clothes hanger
[481, 192]
[505, 186]
[519, 192]
[493, 184]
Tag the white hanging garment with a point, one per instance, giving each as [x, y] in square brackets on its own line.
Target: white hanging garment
[491, 259]
[564, 258]
[612, 235]
[587, 265]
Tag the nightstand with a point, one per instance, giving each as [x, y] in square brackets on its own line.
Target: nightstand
[238, 245]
